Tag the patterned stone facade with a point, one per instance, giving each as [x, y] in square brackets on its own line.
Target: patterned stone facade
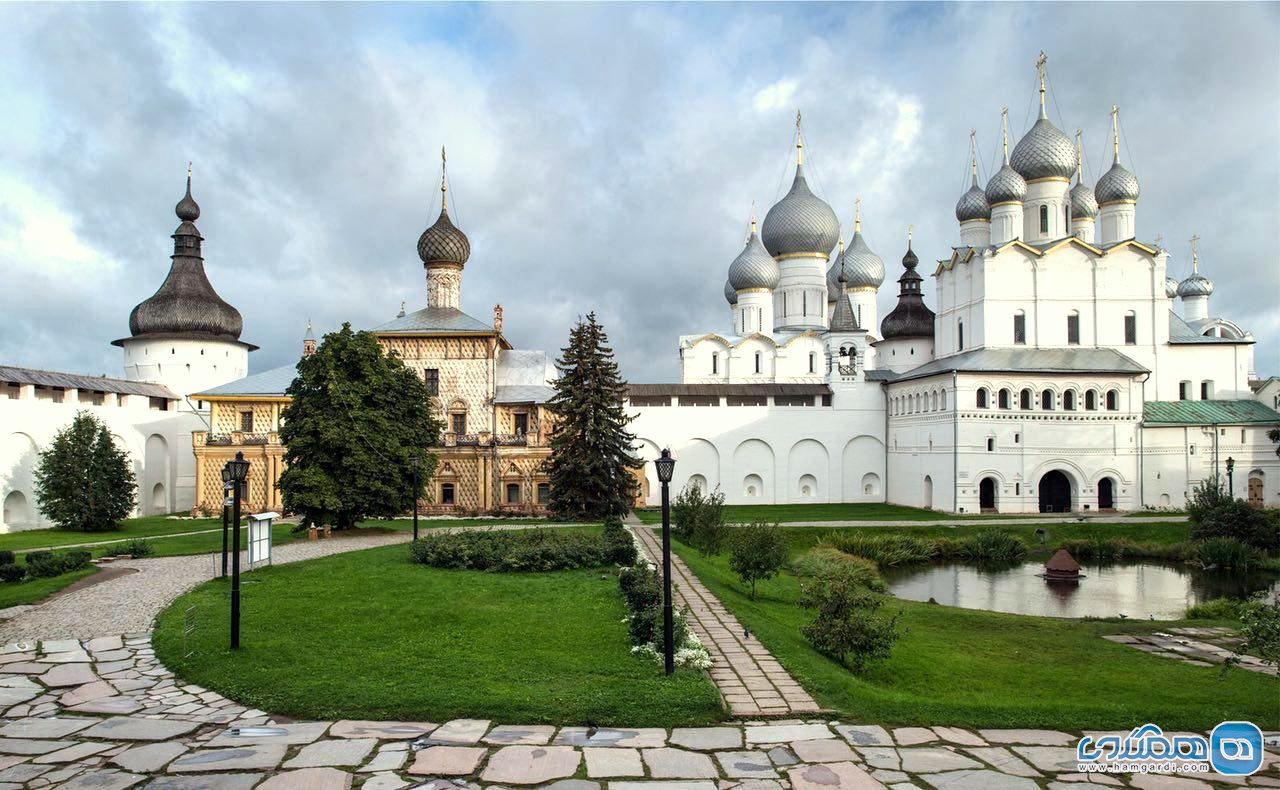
[444, 285]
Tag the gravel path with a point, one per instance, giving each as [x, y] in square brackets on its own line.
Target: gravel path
[129, 604]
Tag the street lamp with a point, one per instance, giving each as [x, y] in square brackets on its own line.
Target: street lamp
[236, 472]
[413, 459]
[226, 514]
[666, 466]
[1231, 468]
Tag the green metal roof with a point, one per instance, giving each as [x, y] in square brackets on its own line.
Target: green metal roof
[1207, 412]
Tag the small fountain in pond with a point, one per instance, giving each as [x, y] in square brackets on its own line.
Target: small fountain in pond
[1062, 567]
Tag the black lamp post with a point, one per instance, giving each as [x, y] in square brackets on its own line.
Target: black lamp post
[666, 466]
[1231, 485]
[237, 472]
[413, 459]
[226, 514]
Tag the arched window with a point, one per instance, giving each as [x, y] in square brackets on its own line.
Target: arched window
[1069, 400]
[1130, 328]
[757, 362]
[982, 398]
[1046, 400]
[715, 363]
[1044, 218]
[1113, 400]
[960, 334]
[1002, 400]
[1090, 400]
[1024, 400]
[1073, 328]
[943, 401]
[811, 361]
[933, 402]
[1019, 328]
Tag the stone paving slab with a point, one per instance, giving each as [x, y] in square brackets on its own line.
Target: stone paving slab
[751, 680]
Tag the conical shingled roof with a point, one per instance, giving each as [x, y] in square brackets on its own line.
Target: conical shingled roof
[186, 306]
[910, 317]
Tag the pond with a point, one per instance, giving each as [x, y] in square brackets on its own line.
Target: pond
[1139, 590]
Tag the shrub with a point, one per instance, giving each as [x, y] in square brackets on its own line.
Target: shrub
[510, 550]
[6, 557]
[827, 563]
[1217, 609]
[12, 573]
[757, 552]
[619, 545]
[847, 626]
[76, 559]
[1214, 513]
[698, 520]
[1260, 624]
[38, 556]
[641, 587]
[1224, 553]
[138, 547]
[46, 567]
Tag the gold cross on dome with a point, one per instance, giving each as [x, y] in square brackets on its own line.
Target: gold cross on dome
[910, 230]
[1041, 61]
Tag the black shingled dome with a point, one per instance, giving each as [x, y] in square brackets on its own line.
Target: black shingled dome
[443, 242]
[910, 318]
[186, 306]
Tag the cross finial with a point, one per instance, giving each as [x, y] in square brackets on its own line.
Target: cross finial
[1195, 255]
[1004, 132]
[910, 231]
[857, 215]
[1040, 65]
[753, 220]
[1159, 240]
[799, 141]
[1115, 131]
[188, 170]
[444, 187]
[1079, 158]
[973, 152]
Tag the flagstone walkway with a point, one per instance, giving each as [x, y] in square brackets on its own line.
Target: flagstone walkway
[103, 713]
[750, 678]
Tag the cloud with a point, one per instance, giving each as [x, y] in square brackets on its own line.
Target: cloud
[602, 157]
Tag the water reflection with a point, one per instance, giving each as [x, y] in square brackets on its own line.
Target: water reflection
[1137, 590]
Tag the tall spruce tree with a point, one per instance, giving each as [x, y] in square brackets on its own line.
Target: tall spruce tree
[357, 415]
[591, 450]
[84, 481]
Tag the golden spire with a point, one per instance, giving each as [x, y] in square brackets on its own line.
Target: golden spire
[188, 171]
[1004, 132]
[444, 187]
[857, 215]
[1195, 255]
[1115, 131]
[1079, 159]
[910, 231]
[799, 141]
[753, 220]
[1040, 64]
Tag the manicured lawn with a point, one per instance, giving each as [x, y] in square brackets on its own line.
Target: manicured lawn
[801, 538]
[32, 590]
[985, 669]
[817, 512]
[150, 526]
[368, 635]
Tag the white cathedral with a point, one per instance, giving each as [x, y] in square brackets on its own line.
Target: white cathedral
[1064, 370]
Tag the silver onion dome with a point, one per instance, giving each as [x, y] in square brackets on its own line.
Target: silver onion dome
[730, 295]
[1195, 285]
[1044, 152]
[1117, 184]
[754, 267]
[973, 204]
[1006, 186]
[862, 267]
[1083, 204]
[800, 223]
[1170, 287]
[443, 242]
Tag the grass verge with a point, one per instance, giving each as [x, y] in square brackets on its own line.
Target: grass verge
[368, 635]
[33, 590]
[986, 669]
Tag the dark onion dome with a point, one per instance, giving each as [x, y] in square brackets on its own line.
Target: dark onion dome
[754, 267]
[910, 317]
[730, 295]
[1006, 186]
[801, 223]
[1083, 203]
[1195, 285]
[1044, 151]
[1170, 287]
[843, 319]
[186, 306]
[1117, 185]
[443, 242]
[973, 204]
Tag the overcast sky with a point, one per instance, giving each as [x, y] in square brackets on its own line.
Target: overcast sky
[601, 158]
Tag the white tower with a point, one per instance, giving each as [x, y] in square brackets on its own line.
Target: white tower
[1005, 192]
[753, 276]
[973, 210]
[1196, 289]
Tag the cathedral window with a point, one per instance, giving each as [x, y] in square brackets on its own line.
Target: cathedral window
[1113, 400]
[544, 493]
[811, 361]
[715, 364]
[982, 398]
[1206, 390]
[246, 421]
[1184, 390]
[1131, 329]
[1069, 400]
[757, 362]
[446, 493]
[943, 400]
[1003, 398]
[1047, 400]
[1020, 328]
[513, 493]
[1044, 218]
[960, 335]
[432, 378]
[458, 423]
[991, 444]
[1090, 401]
[521, 423]
[1073, 328]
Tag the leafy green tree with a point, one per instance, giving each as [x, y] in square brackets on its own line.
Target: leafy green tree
[1214, 513]
[591, 461]
[1260, 624]
[84, 481]
[757, 552]
[356, 417]
[698, 520]
[847, 626]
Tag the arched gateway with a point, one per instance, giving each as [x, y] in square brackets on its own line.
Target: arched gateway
[1055, 492]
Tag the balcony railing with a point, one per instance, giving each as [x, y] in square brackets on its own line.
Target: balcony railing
[511, 439]
[218, 439]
